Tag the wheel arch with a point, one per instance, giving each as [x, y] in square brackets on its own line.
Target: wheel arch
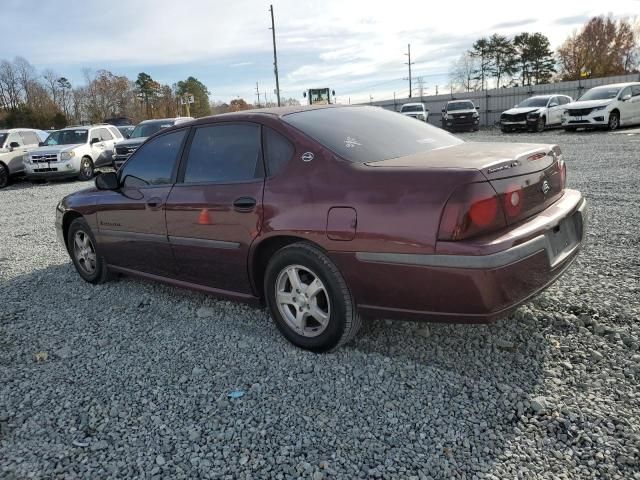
[67, 219]
[262, 253]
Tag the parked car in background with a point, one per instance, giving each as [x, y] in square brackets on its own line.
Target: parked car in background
[331, 212]
[140, 133]
[118, 121]
[126, 130]
[73, 152]
[415, 110]
[535, 113]
[460, 115]
[608, 106]
[15, 143]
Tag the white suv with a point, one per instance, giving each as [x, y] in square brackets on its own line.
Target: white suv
[415, 110]
[73, 152]
[608, 106]
[14, 144]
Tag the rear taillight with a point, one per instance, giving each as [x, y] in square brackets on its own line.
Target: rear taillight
[472, 210]
[563, 173]
[513, 200]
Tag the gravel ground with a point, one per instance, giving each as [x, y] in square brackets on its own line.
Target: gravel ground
[131, 379]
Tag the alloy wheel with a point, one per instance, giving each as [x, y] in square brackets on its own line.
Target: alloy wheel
[302, 300]
[84, 252]
[613, 122]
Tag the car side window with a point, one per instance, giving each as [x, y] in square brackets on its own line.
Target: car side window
[625, 91]
[554, 100]
[15, 137]
[224, 153]
[29, 138]
[153, 163]
[278, 150]
[115, 132]
[564, 100]
[104, 135]
[635, 90]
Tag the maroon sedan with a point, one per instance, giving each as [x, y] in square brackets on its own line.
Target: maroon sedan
[328, 214]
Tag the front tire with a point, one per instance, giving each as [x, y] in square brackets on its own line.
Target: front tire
[614, 121]
[81, 244]
[540, 124]
[309, 299]
[4, 175]
[86, 169]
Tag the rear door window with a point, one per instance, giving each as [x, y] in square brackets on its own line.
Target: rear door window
[103, 134]
[224, 153]
[278, 150]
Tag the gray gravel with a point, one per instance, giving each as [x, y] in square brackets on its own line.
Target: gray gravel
[132, 379]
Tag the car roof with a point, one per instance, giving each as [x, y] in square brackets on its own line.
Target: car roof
[461, 100]
[412, 104]
[617, 85]
[172, 119]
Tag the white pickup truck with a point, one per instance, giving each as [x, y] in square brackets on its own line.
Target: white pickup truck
[415, 110]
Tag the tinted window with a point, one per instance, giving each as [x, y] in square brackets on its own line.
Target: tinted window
[453, 106]
[277, 150]
[534, 102]
[368, 134]
[103, 134]
[153, 163]
[224, 153]
[29, 138]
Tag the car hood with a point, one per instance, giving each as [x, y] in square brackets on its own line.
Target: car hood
[55, 148]
[588, 104]
[494, 160]
[132, 142]
[518, 110]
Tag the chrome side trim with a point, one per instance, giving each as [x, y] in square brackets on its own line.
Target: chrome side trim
[203, 242]
[493, 260]
[124, 235]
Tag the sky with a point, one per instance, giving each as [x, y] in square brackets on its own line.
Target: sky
[351, 46]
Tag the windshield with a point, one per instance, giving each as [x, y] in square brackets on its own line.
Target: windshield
[534, 102]
[66, 137]
[3, 137]
[412, 108]
[460, 106]
[369, 134]
[148, 129]
[600, 93]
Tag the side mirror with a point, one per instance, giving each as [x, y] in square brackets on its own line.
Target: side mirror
[477, 107]
[41, 144]
[333, 92]
[94, 140]
[304, 94]
[13, 145]
[444, 110]
[625, 97]
[107, 181]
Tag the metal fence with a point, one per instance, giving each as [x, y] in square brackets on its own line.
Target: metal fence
[493, 102]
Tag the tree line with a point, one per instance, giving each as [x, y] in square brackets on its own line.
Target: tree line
[46, 99]
[602, 47]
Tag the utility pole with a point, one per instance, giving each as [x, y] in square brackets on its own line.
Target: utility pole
[275, 55]
[408, 54]
[258, 93]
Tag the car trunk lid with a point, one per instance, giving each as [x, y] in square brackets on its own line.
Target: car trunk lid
[527, 177]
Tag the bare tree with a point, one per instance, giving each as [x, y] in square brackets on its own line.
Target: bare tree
[462, 74]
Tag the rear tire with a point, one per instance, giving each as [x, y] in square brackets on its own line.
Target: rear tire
[614, 121]
[4, 175]
[309, 299]
[86, 169]
[81, 244]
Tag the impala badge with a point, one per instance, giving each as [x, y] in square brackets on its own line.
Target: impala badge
[307, 156]
[545, 187]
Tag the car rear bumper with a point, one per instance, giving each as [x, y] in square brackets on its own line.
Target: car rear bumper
[473, 282]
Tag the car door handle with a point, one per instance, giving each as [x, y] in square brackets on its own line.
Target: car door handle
[154, 203]
[244, 204]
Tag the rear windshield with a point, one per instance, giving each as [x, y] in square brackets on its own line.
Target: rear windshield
[369, 134]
